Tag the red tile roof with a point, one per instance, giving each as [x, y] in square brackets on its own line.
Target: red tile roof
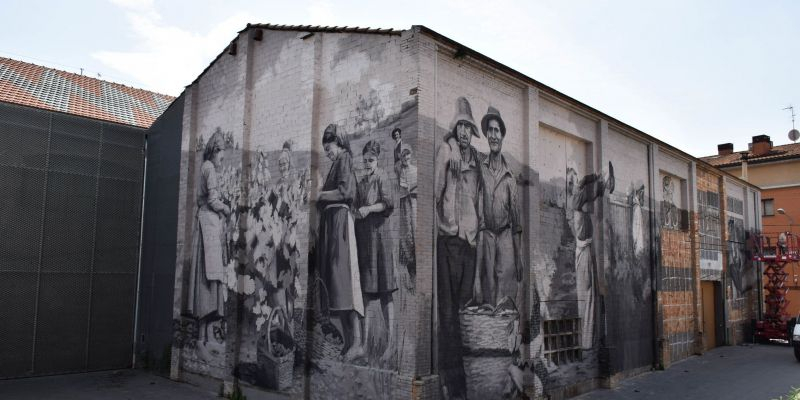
[777, 153]
[50, 89]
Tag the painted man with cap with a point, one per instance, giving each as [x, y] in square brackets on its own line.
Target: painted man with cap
[499, 267]
[459, 197]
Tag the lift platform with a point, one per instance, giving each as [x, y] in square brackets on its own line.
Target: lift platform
[775, 256]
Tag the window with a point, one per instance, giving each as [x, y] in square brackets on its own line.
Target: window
[767, 207]
[562, 341]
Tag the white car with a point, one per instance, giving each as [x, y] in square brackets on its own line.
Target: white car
[796, 339]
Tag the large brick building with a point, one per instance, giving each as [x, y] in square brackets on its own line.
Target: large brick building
[774, 170]
[364, 213]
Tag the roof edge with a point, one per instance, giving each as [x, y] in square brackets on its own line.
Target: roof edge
[541, 86]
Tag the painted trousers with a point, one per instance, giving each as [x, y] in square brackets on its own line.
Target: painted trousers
[455, 272]
[496, 268]
[584, 266]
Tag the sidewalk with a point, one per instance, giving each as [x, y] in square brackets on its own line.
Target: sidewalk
[122, 384]
[748, 372]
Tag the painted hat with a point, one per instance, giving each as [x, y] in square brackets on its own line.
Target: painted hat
[491, 114]
[463, 114]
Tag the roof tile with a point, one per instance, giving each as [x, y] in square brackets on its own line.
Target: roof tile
[51, 89]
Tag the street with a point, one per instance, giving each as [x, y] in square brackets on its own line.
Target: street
[750, 372]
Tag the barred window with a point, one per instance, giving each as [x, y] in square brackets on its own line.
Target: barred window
[562, 341]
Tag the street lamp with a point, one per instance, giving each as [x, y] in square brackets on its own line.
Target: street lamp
[791, 220]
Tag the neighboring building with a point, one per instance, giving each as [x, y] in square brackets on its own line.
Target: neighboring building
[775, 170]
[71, 158]
[565, 252]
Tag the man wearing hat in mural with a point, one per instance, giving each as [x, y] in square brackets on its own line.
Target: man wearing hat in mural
[499, 257]
[581, 194]
[459, 208]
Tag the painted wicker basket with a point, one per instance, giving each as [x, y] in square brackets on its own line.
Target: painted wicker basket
[485, 331]
[323, 346]
[276, 369]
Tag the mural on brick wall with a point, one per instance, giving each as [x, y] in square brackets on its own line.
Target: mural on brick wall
[362, 262]
[710, 230]
[479, 261]
[581, 196]
[740, 266]
[672, 215]
[247, 268]
[244, 268]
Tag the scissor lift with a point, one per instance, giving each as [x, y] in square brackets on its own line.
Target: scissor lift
[775, 256]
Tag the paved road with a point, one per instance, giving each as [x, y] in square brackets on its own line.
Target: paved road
[747, 372]
[750, 372]
[125, 384]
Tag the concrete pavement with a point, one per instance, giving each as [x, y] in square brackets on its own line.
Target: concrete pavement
[123, 384]
[747, 372]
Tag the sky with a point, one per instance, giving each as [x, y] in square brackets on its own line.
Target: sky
[691, 73]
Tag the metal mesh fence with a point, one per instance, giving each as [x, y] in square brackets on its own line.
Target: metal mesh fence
[70, 199]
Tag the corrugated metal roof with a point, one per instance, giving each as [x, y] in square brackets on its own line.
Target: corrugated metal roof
[777, 153]
[51, 89]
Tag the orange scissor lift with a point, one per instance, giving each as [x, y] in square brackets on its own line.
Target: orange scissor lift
[775, 256]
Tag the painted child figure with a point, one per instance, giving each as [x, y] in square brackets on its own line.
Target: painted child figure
[374, 204]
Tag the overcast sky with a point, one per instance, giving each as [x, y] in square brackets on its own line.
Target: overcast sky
[691, 73]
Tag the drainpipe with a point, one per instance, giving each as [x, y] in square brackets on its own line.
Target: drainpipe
[141, 245]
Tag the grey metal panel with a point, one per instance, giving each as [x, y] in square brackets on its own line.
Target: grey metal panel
[117, 245]
[17, 297]
[155, 329]
[111, 332]
[70, 199]
[69, 223]
[61, 323]
[21, 218]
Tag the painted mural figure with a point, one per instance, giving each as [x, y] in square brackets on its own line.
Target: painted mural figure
[459, 194]
[338, 259]
[499, 268]
[374, 204]
[581, 195]
[289, 198]
[407, 183]
[397, 136]
[637, 222]
[206, 277]
[670, 211]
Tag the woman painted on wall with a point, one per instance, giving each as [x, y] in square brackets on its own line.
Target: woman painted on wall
[374, 205]
[337, 255]
[407, 181]
[206, 275]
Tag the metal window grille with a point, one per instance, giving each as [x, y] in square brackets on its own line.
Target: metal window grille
[562, 341]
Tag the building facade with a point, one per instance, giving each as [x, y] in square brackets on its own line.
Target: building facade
[774, 170]
[367, 213]
[71, 161]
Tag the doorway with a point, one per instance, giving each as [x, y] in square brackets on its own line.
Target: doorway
[712, 321]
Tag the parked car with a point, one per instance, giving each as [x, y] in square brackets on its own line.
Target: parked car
[796, 338]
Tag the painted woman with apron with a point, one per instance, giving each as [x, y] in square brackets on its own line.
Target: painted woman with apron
[206, 283]
[338, 258]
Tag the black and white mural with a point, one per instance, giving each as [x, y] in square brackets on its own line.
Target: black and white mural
[269, 303]
[479, 259]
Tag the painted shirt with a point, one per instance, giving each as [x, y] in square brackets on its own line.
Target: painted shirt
[342, 180]
[459, 194]
[501, 207]
[582, 203]
[208, 196]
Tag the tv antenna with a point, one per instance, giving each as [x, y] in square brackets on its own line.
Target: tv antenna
[794, 134]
